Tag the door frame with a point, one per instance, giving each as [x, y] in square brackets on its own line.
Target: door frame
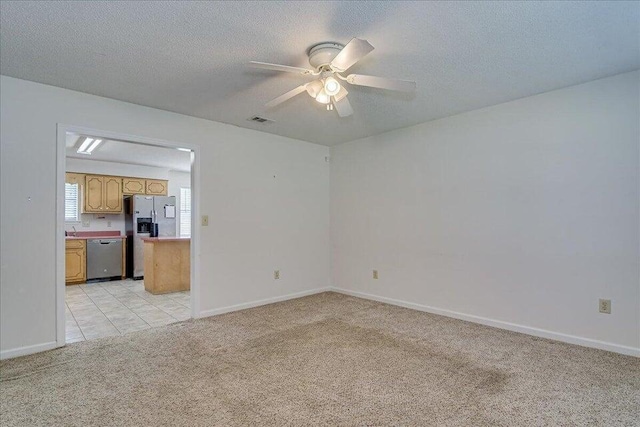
[62, 130]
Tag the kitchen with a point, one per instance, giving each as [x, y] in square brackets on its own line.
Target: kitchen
[127, 237]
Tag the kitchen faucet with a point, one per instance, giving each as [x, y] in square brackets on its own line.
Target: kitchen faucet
[75, 232]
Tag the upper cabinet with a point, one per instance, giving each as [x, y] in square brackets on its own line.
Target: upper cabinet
[102, 194]
[149, 187]
[157, 187]
[132, 186]
[74, 178]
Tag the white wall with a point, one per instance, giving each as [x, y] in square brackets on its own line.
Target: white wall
[111, 222]
[267, 198]
[525, 213]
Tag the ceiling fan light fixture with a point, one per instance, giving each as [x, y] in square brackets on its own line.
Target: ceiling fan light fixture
[331, 86]
[328, 60]
[314, 88]
[323, 97]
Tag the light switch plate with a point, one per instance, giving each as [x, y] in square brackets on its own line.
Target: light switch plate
[205, 220]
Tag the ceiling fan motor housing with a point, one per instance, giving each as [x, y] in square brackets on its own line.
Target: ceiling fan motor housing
[322, 54]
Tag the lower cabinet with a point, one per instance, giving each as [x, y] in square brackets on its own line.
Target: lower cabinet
[75, 261]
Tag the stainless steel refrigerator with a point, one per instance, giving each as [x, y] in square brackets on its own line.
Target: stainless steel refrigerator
[143, 214]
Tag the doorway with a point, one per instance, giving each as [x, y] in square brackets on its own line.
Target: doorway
[101, 175]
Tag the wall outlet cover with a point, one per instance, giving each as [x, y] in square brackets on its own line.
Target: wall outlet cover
[205, 220]
[375, 274]
[276, 274]
[605, 306]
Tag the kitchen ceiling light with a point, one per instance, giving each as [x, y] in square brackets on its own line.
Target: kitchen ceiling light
[331, 86]
[94, 145]
[88, 145]
[85, 145]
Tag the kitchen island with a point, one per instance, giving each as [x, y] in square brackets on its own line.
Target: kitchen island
[167, 264]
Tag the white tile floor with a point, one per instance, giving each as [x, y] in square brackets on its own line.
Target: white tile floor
[114, 308]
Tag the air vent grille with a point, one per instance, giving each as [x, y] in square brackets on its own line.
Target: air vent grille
[260, 120]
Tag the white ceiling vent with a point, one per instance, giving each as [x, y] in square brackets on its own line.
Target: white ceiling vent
[260, 120]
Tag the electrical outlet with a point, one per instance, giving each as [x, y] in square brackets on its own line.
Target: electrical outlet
[276, 274]
[605, 306]
[86, 223]
[108, 223]
[205, 220]
[375, 274]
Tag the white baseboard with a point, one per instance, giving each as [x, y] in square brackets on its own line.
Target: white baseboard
[542, 333]
[251, 304]
[30, 349]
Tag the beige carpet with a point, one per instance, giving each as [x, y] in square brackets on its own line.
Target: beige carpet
[327, 359]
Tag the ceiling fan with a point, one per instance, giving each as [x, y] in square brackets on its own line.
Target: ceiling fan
[329, 62]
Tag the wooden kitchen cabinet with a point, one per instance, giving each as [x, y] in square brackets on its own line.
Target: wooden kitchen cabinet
[102, 194]
[131, 186]
[75, 261]
[156, 187]
[74, 178]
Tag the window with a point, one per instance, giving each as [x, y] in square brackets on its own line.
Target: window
[71, 203]
[185, 212]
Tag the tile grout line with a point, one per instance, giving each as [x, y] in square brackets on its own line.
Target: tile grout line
[136, 314]
[149, 302]
[160, 308]
[130, 310]
[145, 322]
[74, 319]
[94, 303]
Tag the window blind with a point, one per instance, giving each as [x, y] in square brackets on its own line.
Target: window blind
[185, 212]
[71, 204]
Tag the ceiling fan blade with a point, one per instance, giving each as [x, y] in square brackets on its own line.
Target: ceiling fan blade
[343, 106]
[278, 67]
[353, 52]
[286, 96]
[381, 82]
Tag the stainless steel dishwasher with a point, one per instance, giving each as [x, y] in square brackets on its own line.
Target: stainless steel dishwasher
[104, 258]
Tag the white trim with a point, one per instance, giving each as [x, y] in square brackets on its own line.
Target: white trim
[30, 349]
[243, 306]
[59, 237]
[542, 333]
[195, 233]
[60, 262]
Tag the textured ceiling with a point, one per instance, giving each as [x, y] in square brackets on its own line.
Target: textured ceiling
[131, 153]
[189, 57]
